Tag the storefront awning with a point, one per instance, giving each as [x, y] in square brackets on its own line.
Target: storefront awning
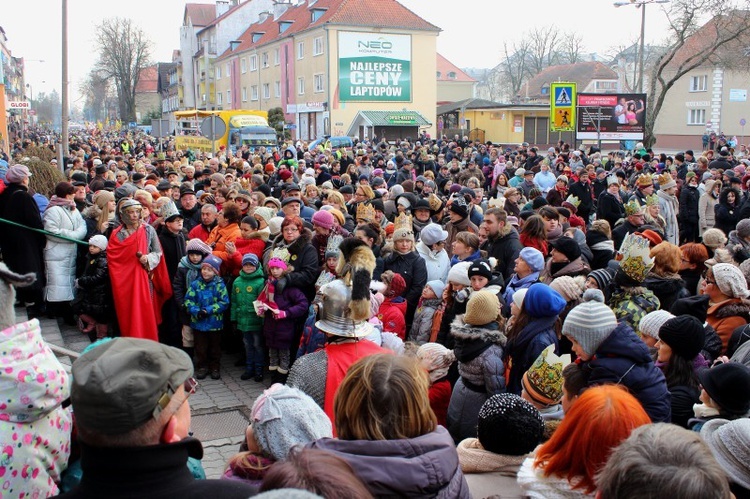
[387, 118]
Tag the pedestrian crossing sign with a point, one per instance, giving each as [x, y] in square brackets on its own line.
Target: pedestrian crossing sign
[562, 107]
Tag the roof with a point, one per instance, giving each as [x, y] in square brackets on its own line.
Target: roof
[387, 118]
[581, 73]
[148, 80]
[467, 104]
[371, 13]
[200, 14]
[444, 67]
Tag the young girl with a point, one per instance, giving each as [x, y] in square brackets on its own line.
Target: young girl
[245, 291]
[534, 234]
[254, 235]
[206, 301]
[96, 306]
[428, 304]
[279, 310]
[188, 271]
[392, 311]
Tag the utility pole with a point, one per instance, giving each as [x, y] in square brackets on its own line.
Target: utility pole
[64, 141]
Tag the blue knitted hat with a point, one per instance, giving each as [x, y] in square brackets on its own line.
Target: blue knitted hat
[543, 301]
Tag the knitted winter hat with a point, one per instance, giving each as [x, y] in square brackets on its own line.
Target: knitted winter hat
[274, 225]
[395, 282]
[283, 417]
[483, 307]
[460, 206]
[264, 213]
[195, 245]
[602, 277]
[99, 241]
[728, 385]
[697, 306]
[567, 246]
[432, 233]
[437, 287]
[251, 259]
[684, 335]
[480, 268]
[591, 322]
[323, 219]
[652, 322]
[570, 288]
[518, 297]
[277, 263]
[543, 301]
[436, 359]
[212, 261]
[730, 280]
[714, 238]
[543, 381]
[533, 258]
[509, 425]
[459, 273]
[743, 228]
[729, 442]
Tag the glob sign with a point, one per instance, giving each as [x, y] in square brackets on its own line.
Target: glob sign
[19, 105]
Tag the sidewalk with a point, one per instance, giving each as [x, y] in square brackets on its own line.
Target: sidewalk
[220, 408]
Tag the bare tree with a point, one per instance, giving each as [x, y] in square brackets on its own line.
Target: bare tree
[514, 67]
[96, 89]
[124, 50]
[570, 48]
[720, 42]
[543, 48]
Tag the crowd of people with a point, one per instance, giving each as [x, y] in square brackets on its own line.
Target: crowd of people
[439, 318]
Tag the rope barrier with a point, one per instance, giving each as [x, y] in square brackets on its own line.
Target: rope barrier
[45, 232]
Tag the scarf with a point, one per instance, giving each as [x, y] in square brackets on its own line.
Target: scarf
[476, 459]
[192, 270]
[517, 283]
[68, 204]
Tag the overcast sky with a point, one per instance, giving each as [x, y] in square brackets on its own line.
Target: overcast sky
[473, 30]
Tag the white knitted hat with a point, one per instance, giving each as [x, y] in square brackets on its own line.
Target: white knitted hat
[652, 322]
[459, 273]
[730, 280]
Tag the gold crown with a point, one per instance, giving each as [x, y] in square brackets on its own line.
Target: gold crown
[632, 207]
[365, 213]
[645, 180]
[281, 254]
[664, 178]
[652, 200]
[573, 200]
[402, 222]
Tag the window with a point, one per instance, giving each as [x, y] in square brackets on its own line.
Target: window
[699, 83]
[606, 85]
[254, 92]
[545, 90]
[229, 97]
[218, 72]
[439, 74]
[301, 86]
[266, 90]
[257, 36]
[318, 45]
[226, 70]
[284, 25]
[264, 59]
[276, 57]
[318, 83]
[452, 75]
[696, 117]
[244, 94]
[243, 65]
[277, 89]
[219, 95]
[253, 63]
[316, 14]
[301, 50]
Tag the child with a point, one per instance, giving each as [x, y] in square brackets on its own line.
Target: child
[254, 239]
[206, 301]
[428, 304]
[245, 291]
[392, 311]
[280, 311]
[188, 270]
[437, 359]
[95, 307]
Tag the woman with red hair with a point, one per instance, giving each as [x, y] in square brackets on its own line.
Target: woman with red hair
[303, 258]
[601, 418]
[692, 265]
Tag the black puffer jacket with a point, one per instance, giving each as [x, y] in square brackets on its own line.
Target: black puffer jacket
[413, 269]
[96, 290]
[304, 259]
[666, 289]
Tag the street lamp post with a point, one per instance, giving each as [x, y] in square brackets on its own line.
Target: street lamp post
[640, 4]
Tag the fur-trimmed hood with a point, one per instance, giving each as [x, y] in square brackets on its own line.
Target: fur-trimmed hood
[734, 308]
[466, 332]
[262, 234]
[93, 212]
[294, 248]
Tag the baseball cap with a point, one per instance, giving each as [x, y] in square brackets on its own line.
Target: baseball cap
[123, 383]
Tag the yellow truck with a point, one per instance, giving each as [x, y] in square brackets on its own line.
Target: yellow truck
[243, 127]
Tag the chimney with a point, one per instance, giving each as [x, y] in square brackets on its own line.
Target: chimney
[263, 16]
[222, 6]
[279, 7]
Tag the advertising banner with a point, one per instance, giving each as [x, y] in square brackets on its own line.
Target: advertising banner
[374, 67]
[193, 142]
[618, 116]
[562, 107]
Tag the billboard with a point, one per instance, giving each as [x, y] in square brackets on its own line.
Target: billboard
[562, 107]
[619, 116]
[374, 67]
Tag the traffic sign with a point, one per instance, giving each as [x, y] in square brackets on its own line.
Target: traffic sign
[19, 104]
[743, 122]
[562, 107]
[213, 127]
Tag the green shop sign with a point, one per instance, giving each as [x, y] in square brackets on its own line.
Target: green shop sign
[401, 119]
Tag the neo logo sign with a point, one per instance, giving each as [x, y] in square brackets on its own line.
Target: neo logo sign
[376, 45]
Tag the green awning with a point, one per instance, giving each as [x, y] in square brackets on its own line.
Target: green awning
[387, 118]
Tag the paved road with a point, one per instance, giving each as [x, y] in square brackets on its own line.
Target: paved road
[220, 408]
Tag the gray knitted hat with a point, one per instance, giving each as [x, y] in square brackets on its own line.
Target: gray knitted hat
[591, 322]
[283, 417]
[652, 322]
[729, 442]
